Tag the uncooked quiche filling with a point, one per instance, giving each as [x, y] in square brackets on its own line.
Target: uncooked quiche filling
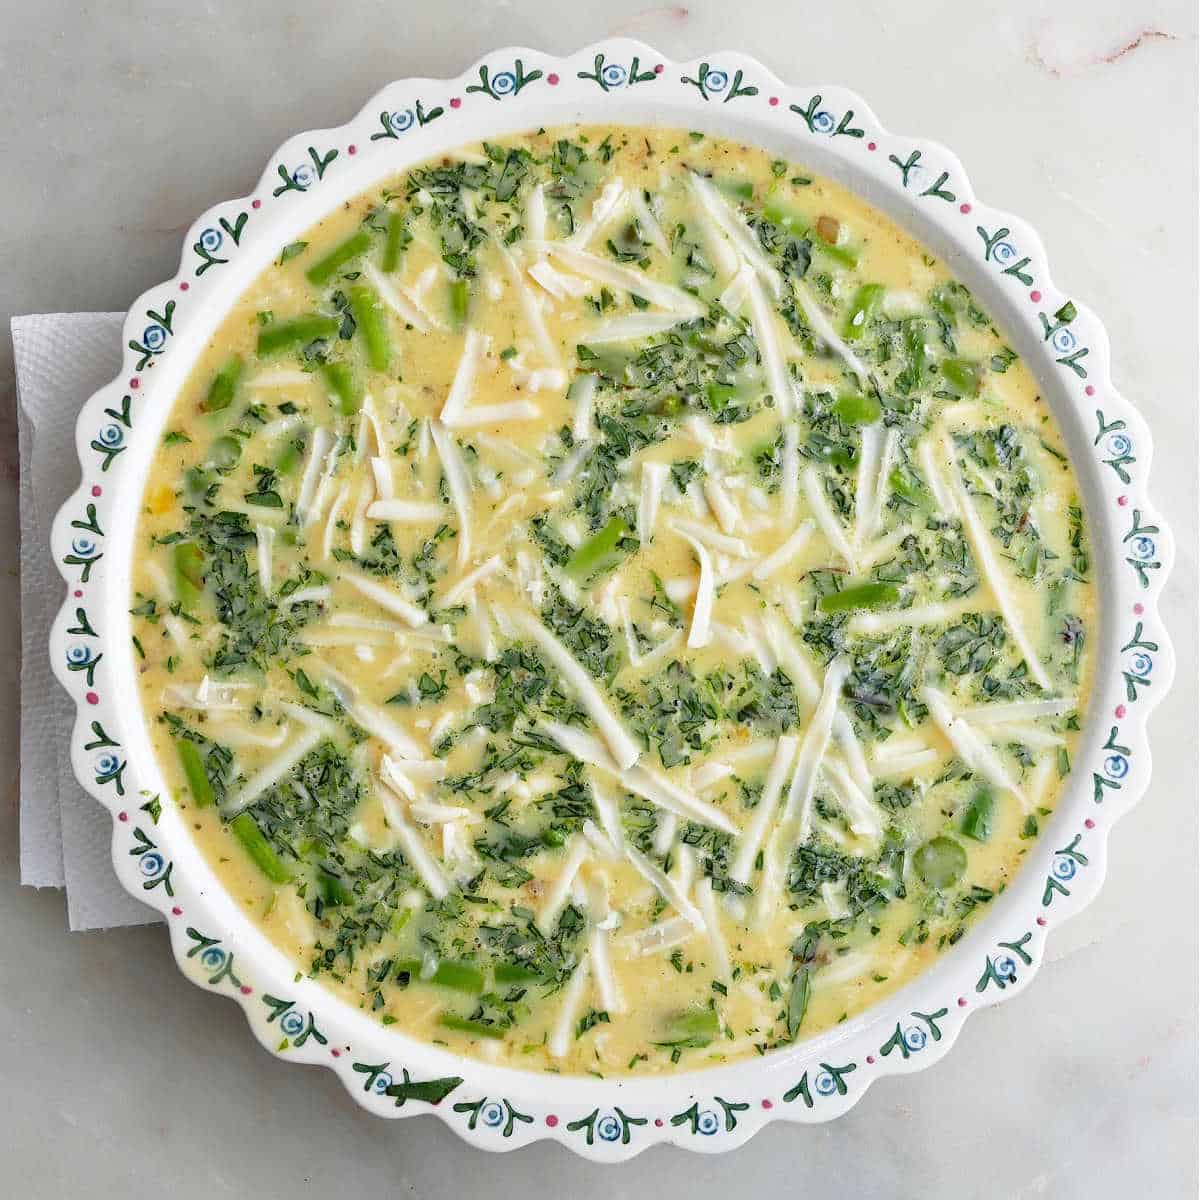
[610, 601]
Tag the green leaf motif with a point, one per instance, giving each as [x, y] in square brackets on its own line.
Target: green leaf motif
[504, 83]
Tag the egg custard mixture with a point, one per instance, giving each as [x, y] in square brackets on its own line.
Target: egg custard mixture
[609, 601]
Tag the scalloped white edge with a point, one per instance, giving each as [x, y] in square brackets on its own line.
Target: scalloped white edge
[717, 1109]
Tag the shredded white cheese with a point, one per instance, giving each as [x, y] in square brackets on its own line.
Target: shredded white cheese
[383, 595]
[735, 229]
[335, 512]
[606, 981]
[457, 593]
[604, 208]
[609, 814]
[632, 327]
[831, 527]
[529, 309]
[272, 772]
[991, 570]
[1019, 710]
[458, 483]
[722, 506]
[568, 1013]
[870, 623]
[650, 227]
[700, 631]
[785, 553]
[624, 749]
[812, 750]
[825, 332]
[413, 846]
[720, 542]
[968, 745]
[933, 477]
[475, 346]
[495, 414]
[665, 886]
[764, 811]
[407, 512]
[763, 319]
[402, 302]
[707, 904]
[869, 455]
[654, 477]
[577, 853]
[625, 279]
[265, 538]
[318, 448]
[789, 473]
[535, 214]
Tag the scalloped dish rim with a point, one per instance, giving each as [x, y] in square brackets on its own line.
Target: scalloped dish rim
[915, 182]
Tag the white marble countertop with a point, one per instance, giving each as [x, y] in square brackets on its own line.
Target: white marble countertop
[124, 120]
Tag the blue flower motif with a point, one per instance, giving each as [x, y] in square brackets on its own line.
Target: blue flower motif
[110, 436]
[211, 239]
[1063, 341]
[1143, 548]
[716, 81]
[151, 864]
[78, 656]
[823, 122]
[1003, 252]
[1118, 444]
[154, 337]
[915, 1038]
[213, 958]
[106, 764]
[383, 1081]
[492, 1114]
[1063, 867]
[707, 1122]
[292, 1023]
[608, 1128]
[304, 176]
[401, 120]
[825, 1084]
[83, 546]
[1141, 664]
[1116, 766]
[614, 74]
[504, 83]
[1006, 968]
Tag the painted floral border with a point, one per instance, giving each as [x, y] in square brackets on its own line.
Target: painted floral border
[819, 1079]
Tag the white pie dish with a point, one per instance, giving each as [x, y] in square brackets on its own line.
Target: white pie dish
[918, 184]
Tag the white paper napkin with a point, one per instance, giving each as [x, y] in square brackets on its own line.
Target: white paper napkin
[61, 359]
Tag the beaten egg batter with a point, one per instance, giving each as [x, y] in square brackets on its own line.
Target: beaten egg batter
[610, 599]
